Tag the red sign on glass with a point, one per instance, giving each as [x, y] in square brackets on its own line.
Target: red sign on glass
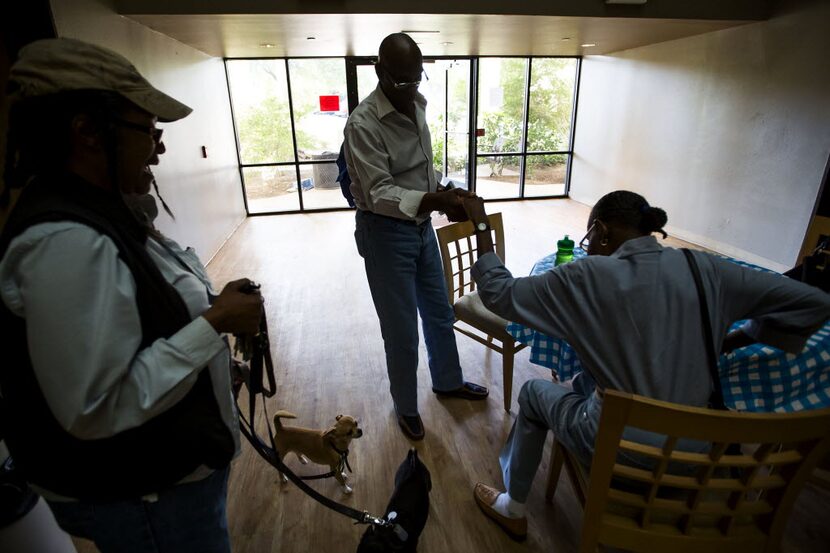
[329, 103]
[479, 132]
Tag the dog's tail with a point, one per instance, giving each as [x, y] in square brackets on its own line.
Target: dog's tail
[282, 415]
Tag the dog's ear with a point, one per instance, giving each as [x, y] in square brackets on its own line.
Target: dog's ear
[329, 432]
[338, 417]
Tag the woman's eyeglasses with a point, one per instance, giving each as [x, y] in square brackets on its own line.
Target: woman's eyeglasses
[152, 131]
[586, 239]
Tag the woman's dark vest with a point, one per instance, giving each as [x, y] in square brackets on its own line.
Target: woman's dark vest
[134, 462]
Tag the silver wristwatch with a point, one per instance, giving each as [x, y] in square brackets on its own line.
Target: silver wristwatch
[482, 227]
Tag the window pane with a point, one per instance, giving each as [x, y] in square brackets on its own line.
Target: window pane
[545, 175]
[433, 91]
[458, 95]
[318, 94]
[320, 187]
[271, 188]
[367, 81]
[260, 101]
[501, 96]
[498, 177]
[458, 120]
[551, 104]
[457, 157]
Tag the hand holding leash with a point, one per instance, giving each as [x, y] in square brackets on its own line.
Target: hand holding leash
[238, 309]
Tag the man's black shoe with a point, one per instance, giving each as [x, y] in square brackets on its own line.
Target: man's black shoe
[412, 427]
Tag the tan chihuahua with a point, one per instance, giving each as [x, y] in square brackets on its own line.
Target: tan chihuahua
[324, 447]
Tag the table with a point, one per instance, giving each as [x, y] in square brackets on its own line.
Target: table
[754, 378]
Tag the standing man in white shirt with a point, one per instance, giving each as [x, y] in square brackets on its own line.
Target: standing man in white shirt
[389, 157]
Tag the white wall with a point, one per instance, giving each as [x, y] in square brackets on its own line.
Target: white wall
[729, 131]
[204, 194]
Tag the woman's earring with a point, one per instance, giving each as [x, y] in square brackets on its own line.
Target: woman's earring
[603, 242]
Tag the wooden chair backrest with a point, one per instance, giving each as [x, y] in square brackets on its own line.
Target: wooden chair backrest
[714, 501]
[458, 253]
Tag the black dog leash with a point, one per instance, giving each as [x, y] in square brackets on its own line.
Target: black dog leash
[258, 349]
[269, 453]
[262, 366]
[343, 463]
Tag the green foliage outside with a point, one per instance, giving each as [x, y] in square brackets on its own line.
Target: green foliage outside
[265, 133]
[436, 133]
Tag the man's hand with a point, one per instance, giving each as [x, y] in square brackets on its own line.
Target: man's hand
[450, 202]
[455, 204]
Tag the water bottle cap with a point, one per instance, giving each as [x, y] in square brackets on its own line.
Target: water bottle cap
[566, 243]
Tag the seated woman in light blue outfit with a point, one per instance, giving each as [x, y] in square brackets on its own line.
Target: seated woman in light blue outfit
[631, 312]
[116, 390]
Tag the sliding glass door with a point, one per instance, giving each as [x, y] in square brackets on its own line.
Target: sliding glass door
[446, 88]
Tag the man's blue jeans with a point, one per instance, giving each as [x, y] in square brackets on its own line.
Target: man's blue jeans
[186, 518]
[405, 275]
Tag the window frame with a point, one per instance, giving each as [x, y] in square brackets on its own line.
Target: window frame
[523, 154]
[351, 63]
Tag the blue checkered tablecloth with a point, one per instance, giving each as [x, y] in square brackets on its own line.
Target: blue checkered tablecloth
[754, 378]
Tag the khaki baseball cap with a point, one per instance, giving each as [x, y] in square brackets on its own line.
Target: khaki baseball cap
[58, 65]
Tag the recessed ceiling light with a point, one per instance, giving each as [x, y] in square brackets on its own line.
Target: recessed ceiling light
[446, 43]
[266, 45]
[588, 44]
[311, 38]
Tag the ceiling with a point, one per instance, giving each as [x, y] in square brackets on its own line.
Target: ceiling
[251, 28]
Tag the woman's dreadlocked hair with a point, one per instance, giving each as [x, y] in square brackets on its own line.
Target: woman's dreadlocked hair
[632, 210]
[38, 137]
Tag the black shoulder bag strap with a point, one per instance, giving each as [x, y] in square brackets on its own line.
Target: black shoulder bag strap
[716, 399]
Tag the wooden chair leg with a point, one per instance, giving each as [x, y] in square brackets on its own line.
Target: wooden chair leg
[508, 353]
[557, 458]
[821, 479]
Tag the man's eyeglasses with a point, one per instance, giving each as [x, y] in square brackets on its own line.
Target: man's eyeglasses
[401, 85]
[410, 84]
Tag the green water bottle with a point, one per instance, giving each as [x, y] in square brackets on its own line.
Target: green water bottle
[564, 251]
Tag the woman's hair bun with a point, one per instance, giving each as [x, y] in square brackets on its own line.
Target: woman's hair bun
[653, 220]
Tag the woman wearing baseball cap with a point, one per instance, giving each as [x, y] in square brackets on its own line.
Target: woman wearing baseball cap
[116, 393]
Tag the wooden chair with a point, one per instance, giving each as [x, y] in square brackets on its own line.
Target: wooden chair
[691, 502]
[458, 256]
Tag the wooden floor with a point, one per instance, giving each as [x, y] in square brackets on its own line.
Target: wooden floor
[329, 356]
